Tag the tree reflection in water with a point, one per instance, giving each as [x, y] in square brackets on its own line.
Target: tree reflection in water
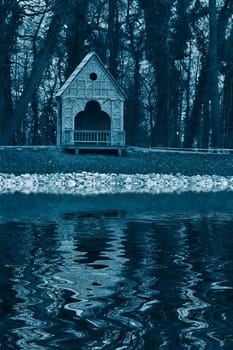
[116, 279]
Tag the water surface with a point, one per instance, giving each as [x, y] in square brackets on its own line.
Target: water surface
[116, 272]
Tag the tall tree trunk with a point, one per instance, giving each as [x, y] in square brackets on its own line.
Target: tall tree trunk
[113, 36]
[77, 34]
[35, 121]
[10, 13]
[161, 134]
[192, 124]
[227, 108]
[157, 15]
[6, 106]
[135, 48]
[135, 105]
[213, 76]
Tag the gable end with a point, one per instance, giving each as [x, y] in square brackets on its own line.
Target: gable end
[74, 75]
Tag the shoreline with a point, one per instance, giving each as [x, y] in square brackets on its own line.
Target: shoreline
[20, 160]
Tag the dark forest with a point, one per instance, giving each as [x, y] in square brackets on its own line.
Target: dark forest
[172, 58]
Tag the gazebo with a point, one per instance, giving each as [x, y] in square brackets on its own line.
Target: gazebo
[91, 108]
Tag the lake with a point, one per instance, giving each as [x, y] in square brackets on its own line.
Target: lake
[123, 271]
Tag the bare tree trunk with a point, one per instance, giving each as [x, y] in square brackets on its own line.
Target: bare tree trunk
[213, 76]
[35, 121]
[157, 14]
[6, 106]
[135, 47]
[10, 13]
[77, 33]
[192, 125]
[113, 35]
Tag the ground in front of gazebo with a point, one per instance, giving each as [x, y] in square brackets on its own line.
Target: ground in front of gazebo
[42, 160]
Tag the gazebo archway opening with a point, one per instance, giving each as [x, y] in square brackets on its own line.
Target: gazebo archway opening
[92, 125]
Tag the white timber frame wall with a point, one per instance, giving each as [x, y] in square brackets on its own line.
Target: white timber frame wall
[79, 89]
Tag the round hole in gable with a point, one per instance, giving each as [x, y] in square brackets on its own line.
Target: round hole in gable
[93, 76]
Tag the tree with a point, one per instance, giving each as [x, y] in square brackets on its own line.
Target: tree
[172, 57]
[157, 16]
[217, 135]
[225, 42]
[204, 126]
[179, 56]
[135, 46]
[113, 35]
[44, 54]
[227, 100]
[77, 34]
[10, 19]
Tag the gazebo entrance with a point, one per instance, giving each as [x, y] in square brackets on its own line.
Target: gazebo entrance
[92, 126]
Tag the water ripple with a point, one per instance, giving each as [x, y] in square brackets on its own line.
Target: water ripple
[117, 280]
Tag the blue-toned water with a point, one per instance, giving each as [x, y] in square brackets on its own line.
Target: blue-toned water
[127, 271]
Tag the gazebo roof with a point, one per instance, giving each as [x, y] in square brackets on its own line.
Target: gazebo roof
[80, 67]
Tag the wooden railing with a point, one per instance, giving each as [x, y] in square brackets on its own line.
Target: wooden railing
[92, 136]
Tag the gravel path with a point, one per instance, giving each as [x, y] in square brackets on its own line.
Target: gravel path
[42, 160]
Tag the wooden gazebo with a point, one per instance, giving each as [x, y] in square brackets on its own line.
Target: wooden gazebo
[90, 108]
